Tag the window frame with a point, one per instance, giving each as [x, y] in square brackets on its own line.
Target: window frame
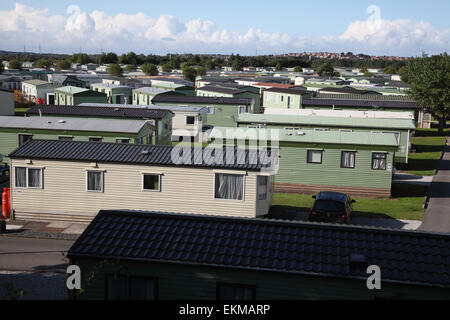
[99, 138]
[354, 162]
[219, 285]
[128, 284]
[102, 172]
[120, 140]
[41, 184]
[385, 160]
[258, 194]
[151, 174]
[22, 135]
[233, 174]
[312, 150]
[65, 138]
[187, 122]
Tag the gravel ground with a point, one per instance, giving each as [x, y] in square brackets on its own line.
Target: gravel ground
[35, 286]
[40, 235]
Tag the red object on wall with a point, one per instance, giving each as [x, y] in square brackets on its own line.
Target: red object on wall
[6, 202]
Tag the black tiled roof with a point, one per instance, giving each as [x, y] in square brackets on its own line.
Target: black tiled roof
[361, 103]
[261, 244]
[201, 100]
[139, 154]
[109, 112]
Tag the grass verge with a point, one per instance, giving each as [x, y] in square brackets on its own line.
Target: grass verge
[406, 203]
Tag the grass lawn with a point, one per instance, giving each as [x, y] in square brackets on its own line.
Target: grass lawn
[20, 111]
[429, 147]
[406, 203]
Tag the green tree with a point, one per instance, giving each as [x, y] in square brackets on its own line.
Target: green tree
[115, 70]
[201, 71]
[326, 69]
[149, 69]
[363, 70]
[390, 70]
[63, 64]
[189, 73]
[130, 67]
[107, 58]
[368, 74]
[278, 66]
[429, 78]
[15, 64]
[166, 67]
[81, 58]
[298, 69]
[43, 63]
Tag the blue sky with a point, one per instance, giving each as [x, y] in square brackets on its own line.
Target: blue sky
[301, 22]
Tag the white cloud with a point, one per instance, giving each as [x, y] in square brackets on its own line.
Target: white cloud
[140, 32]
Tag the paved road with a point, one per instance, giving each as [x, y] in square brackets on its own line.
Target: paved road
[437, 215]
[35, 255]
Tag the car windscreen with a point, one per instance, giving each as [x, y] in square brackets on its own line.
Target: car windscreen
[329, 206]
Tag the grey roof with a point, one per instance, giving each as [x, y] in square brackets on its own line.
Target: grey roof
[408, 257]
[348, 90]
[293, 90]
[72, 124]
[232, 91]
[201, 100]
[91, 110]
[147, 107]
[151, 90]
[361, 103]
[231, 158]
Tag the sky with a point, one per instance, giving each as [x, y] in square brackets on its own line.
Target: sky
[247, 27]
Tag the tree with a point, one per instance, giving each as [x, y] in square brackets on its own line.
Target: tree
[429, 78]
[201, 71]
[298, 69]
[189, 73]
[368, 74]
[326, 69]
[130, 67]
[63, 64]
[43, 63]
[107, 58]
[278, 66]
[115, 70]
[81, 58]
[389, 70]
[363, 70]
[14, 64]
[149, 69]
[166, 67]
[2, 68]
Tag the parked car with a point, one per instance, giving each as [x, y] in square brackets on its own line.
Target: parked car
[332, 207]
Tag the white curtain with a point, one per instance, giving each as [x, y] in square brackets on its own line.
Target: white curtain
[314, 156]
[229, 186]
[95, 181]
[379, 161]
[263, 183]
[21, 177]
[34, 178]
[348, 159]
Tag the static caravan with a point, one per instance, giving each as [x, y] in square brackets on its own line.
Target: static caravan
[358, 163]
[16, 131]
[401, 128]
[73, 180]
